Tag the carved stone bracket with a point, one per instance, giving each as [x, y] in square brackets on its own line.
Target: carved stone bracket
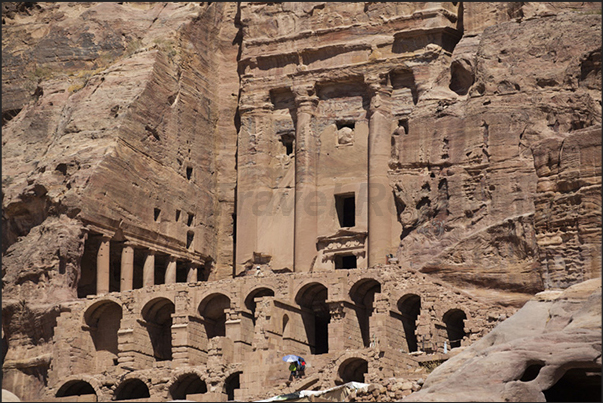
[380, 91]
[342, 241]
[305, 96]
[337, 310]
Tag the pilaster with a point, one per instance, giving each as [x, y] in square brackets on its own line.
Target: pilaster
[102, 266]
[306, 159]
[127, 268]
[381, 204]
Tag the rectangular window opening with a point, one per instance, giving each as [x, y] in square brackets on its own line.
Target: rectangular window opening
[190, 235]
[189, 222]
[189, 172]
[403, 123]
[346, 209]
[156, 213]
[345, 123]
[345, 262]
[287, 140]
[177, 215]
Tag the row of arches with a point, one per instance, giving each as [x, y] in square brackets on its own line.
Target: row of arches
[103, 318]
[135, 388]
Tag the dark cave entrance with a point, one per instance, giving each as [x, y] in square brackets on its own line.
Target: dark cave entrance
[576, 385]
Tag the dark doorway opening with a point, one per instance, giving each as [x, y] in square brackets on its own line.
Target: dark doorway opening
[345, 262]
[410, 307]
[353, 370]
[138, 273]
[87, 282]
[321, 324]
[232, 382]
[115, 253]
[187, 385]
[315, 316]
[132, 389]
[287, 140]
[157, 314]
[257, 293]
[455, 326]
[363, 295]
[213, 311]
[160, 265]
[346, 209]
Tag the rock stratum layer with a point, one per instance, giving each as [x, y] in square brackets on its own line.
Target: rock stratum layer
[258, 150]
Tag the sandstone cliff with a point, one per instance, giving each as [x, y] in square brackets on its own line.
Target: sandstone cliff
[482, 185]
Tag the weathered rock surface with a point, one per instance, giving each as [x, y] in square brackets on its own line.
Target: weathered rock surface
[552, 342]
[531, 88]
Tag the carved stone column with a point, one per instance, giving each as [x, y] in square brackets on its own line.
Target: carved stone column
[102, 266]
[381, 204]
[170, 270]
[306, 158]
[254, 110]
[191, 275]
[127, 268]
[148, 271]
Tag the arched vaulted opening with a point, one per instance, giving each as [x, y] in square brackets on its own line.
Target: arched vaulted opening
[213, 311]
[410, 308]
[103, 319]
[75, 388]
[454, 320]
[363, 295]
[257, 293]
[187, 384]
[315, 316]
[132, 389]
[157, 314]
[232, 383]
[353, 370]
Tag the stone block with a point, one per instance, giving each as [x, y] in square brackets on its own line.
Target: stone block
[208, 397]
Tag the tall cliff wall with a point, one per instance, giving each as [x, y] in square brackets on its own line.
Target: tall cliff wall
[115, 116]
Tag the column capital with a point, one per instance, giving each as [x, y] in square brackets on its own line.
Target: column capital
[375, 80]
[305, 95]
[380, 91]
[336, 310]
